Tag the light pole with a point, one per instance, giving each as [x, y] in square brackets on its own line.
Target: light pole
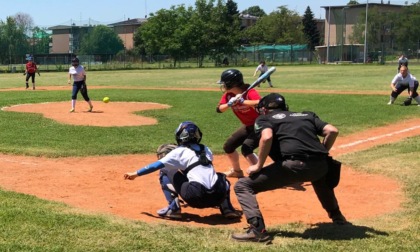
[366, 20]
[329, 25]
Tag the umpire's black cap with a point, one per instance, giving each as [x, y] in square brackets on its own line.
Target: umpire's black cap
[273, 101]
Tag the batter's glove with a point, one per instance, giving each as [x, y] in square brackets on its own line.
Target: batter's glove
[407, 102]
[164, 149]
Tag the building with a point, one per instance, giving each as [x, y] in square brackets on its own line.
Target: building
[339, 23]
[66, 38]
[126, 30]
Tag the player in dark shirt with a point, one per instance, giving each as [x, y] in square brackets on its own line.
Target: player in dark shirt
[291, 140]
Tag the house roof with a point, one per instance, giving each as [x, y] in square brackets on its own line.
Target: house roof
[360, 5]
[134, 21]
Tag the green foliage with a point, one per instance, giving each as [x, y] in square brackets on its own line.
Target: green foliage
[40, 40]
[279, 27]
[310, 29]
[389, 31]
[101, 40]
[13, 42]
[182, 33]
[255, 11]
[351, 2]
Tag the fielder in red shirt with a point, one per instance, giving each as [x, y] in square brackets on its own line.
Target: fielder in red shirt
[30, 71]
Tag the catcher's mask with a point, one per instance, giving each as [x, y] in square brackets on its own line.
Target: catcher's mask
[164, 149]
[75, 62]
[188, 133]
[272, 101]
[231, 78]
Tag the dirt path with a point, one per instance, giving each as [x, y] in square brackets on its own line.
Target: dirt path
[96, 184]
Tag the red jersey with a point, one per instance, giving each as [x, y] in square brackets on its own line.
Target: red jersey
[246, 114]
[31, 67]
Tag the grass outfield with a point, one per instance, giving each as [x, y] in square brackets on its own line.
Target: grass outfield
[30, 224]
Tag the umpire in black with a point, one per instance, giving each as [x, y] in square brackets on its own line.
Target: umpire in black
[291, 140]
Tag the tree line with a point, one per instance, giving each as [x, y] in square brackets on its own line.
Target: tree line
[213, 29]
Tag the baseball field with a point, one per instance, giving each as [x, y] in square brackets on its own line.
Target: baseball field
[61, 173]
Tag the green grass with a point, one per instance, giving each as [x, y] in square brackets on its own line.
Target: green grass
[30, 224]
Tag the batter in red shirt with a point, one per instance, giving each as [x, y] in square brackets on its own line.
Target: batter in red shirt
[244, 108]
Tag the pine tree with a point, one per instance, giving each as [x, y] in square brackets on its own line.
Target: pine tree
[310, 29]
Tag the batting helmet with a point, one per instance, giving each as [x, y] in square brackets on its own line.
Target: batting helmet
[188, 133]
[231, 78]
[164, 149]
[75, 61]
[272, 101]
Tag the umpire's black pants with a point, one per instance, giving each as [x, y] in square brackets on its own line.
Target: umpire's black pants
[280, 174]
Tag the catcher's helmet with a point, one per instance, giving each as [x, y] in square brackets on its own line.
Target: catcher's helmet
[272, 101]
[231, 78]
[188, 133]
[75, 61]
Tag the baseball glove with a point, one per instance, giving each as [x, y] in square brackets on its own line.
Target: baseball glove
[407, 102]
[164, 149]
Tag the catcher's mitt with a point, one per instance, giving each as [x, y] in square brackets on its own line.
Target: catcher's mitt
[407, 102]
[164, 149]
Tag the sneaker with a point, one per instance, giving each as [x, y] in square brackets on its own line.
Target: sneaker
[90, 109]
[167, 212]
[252, 235]
[234, 174]
[390, 103]
[173, 211]
[72, 110]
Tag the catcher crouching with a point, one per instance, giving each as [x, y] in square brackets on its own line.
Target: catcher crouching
[186, 171]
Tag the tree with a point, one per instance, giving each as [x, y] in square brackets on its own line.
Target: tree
[255, 11]
[101, 40]
[24, 22]
[211, 29]
[279, 27]
[13, 42]
[352, 2]
[310, 29]
[167, 32]
[40, 41]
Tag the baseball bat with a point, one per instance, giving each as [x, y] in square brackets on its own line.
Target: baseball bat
[260, 79]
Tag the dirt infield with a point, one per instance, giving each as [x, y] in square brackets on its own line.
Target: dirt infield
[96, 185]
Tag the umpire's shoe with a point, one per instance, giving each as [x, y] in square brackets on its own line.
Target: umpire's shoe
[252, 235]
[337, 217]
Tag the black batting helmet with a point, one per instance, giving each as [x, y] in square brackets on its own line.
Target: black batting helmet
[75, 61]
[231, 78]
[272, 101]
[188, 133]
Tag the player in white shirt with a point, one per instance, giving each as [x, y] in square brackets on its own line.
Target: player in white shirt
[187, 170]
[78, 73]
[401, 82]
[262, 67]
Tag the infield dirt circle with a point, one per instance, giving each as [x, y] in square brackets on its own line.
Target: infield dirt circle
[96, 184]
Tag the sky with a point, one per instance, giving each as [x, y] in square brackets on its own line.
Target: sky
[47, 13]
